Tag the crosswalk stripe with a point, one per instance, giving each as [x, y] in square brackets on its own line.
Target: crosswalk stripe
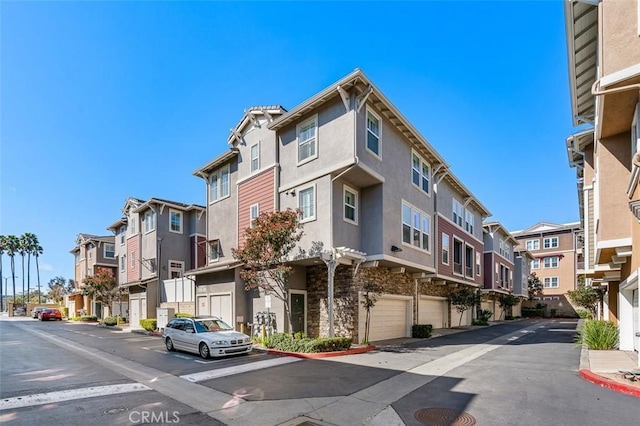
[229, 371]
[68, 395]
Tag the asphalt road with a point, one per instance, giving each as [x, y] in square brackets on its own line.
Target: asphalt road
[521, 373]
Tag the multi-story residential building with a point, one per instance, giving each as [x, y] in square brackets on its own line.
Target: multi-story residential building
[92, 254]
[522, 263]
[158, 239]
[499, 267]
[604, 69]
[339, 157]
[554, 249]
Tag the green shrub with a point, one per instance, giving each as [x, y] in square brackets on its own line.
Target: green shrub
[286, 342]
[149, 324]
[480, 322]
[182, 315]
[584, 314]
[64, 311]
[421, 331]
[485, 315]
[598, 334]
[533, 312]
[86, 318]
[110, 321]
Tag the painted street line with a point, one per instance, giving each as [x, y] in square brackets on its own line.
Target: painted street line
[69, 395]
[229, 371]
[562, 329]
[140, 339]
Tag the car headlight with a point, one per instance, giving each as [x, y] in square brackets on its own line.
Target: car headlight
[247, 340]
[220, 343]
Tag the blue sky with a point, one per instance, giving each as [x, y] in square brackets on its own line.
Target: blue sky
[105, 100]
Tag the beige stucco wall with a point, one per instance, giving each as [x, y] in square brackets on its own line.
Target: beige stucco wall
[619, 35]
[614, 160]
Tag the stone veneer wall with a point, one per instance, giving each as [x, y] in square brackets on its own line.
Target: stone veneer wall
[346, 300]
[181, 307]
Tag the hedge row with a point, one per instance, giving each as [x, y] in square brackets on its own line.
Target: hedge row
[288, 343]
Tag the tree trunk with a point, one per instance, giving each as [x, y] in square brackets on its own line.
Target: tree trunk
[38, 271]
[28, 277]
[461, 314]
[23, 278]
[366, 325]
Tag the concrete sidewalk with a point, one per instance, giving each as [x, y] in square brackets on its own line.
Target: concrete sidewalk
[605, 368]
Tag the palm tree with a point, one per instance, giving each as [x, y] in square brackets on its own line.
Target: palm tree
[3, 248]
[12, 245]
[30, 241]
[37, 251]
[22, 250]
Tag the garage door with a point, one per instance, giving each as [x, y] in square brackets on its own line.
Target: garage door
[389, 319]
[433, 310]
[134, 304]
[220, 306]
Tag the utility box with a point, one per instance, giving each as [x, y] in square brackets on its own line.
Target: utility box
[163, 316]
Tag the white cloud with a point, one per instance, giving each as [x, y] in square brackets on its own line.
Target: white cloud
[46, 267]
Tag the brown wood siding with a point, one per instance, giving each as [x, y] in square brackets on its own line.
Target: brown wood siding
[447, 227]
[489, 272]
[201, 252]
[260, 190]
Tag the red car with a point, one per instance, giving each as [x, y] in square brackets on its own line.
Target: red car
[50, 314]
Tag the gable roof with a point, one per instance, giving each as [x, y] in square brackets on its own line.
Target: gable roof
[497, 226]
[548, 227]
[251, 117]
[84, 239]
[173, 204]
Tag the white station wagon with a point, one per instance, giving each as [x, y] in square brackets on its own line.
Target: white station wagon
[207, 336]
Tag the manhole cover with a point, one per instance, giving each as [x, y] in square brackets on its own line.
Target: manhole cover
[444, 417]
[115, 410]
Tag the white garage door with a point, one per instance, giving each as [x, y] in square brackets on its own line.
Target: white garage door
[220, 306]
[433, 310]
[389, 319]
[134, 304]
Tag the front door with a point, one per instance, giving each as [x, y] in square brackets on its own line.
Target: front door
[298, 312]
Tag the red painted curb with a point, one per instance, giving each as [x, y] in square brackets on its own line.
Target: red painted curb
[353, 351]
[609, 384]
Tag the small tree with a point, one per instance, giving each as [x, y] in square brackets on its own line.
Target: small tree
[506, 302]
[57, 289]
[586, 297]
[465, 298]
[534, 285]
[103, 288]
[371, 291]
[268, 243]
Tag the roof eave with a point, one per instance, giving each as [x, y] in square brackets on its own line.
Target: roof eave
[204, 171]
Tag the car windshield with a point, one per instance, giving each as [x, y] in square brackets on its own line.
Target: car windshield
[205, 325]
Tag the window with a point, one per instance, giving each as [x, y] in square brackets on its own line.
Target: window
[255, 157]
[90, 251]
[307, 203]
[122, 232]
[133, 260]
[254, 212]
[110, 251]
[219, 185]
[468, 261]
[416, 227]
[123, 263]
[373, 133]
[176, 269]
[307, 140]
[175, 221]
[550, 282]
[551, 262]
[149, 221]
[445, 249]
[478, 264]
[635, 123]
[132, 226]
[419, 172]
[77, 256]
[457, 256]
[214, 250]
[457, 213]
[468, 221]
[350, 205]
[533, 245]
[535, 264]
[551, 242]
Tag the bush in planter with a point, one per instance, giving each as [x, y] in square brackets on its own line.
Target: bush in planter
[86, 318]
[598, 335]
[110, 321]
[182, 315]
[149, 324]
[584, 314]
[286, 342]
[421, 331]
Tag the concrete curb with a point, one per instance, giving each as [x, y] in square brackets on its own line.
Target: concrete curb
[609, 384]
[353, 351]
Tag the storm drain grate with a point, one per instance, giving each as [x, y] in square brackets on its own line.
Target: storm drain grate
[444, 417]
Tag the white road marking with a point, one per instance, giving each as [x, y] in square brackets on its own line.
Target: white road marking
[140, 339]
[68, 395]
[229, 371]
[562, 329]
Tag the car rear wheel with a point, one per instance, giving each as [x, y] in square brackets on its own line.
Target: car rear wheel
[169, 344]
[204, 350]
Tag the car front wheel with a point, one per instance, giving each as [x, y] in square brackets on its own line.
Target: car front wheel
[169, 344]
[204, 350]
